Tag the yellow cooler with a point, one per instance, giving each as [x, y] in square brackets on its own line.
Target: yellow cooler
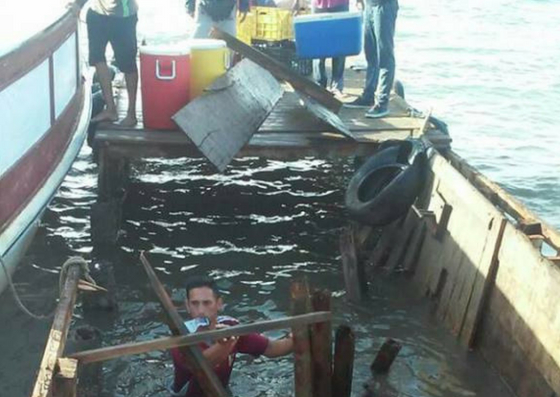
[209, 60]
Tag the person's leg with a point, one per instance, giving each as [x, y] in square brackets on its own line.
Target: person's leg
[319, 72]
[125, 46]
[370, 50]
[385, 33]
[98, 38]
[338, 63]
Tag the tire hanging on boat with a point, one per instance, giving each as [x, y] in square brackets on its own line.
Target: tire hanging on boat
[388, 183]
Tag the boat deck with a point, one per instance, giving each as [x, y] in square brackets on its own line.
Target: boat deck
[289, 131]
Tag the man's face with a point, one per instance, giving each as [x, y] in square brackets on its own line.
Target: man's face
[202, 302]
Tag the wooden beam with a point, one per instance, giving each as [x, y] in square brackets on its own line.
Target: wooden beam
[109, 353]
[303, 369]
[321, 346]
[197, 364]
[343, 362]
[58, 333]
[66, 380]
[280, 71]
[323, 114]
[352, 269]
[503, 199]
[249, 93]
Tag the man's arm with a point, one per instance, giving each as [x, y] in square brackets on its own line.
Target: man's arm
[279, 347]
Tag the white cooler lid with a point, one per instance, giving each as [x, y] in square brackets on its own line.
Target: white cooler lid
[206, 44]
[169, 49]
[325, 16]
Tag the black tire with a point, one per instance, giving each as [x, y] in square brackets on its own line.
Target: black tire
[385, 187]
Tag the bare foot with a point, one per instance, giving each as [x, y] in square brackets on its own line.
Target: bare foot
[128, 121]
[105, 115]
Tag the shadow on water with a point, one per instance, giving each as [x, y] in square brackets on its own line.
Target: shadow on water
[254, 228]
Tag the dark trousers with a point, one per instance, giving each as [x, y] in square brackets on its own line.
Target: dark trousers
[319, 69]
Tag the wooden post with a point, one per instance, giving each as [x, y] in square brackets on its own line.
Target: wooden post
[343, 362]
[385, 356]
[58, 333]
[321, 346]
[353, 270]
[196, 362]
[303, 370]
[66, 379]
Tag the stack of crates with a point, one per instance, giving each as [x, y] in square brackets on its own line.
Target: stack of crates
[247, 29]
[273, 24]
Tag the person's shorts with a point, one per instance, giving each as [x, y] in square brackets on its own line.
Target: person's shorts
[120, 32]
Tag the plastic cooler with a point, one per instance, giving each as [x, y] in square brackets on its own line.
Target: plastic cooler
[328, 35]
[209, 60]
[165, 76]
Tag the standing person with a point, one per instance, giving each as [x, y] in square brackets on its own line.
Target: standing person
[338, 63]
[203, 304]
[380, 18]
[114, 21]
[215, 13]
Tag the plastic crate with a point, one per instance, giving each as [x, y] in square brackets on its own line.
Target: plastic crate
[273, 24]
[287, 55]
[247, 29]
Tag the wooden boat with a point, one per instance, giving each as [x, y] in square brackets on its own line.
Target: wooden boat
[44, 108]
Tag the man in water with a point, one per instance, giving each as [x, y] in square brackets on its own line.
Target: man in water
[203, 304]
[114, 21]
[380, 19]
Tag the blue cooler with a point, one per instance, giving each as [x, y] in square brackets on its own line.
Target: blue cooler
[328, 35]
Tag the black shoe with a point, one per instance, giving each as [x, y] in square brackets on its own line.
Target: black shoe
[359, 103]
[377, 111]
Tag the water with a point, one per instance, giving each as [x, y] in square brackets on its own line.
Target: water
[486, 68]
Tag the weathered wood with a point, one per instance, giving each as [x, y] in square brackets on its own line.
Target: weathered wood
[343, 365]
[249, 93]
[321, 346]
[66, 379]
[352, 269]
[402, 240]
[325, 115]
[385, 356]
[414, 247]
[386, 242]
[197, 364]
[109, 353]
[504, 200]
[58, 333]
[303, 368]
[280, 71]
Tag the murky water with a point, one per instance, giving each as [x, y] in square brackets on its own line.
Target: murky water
[487, 70]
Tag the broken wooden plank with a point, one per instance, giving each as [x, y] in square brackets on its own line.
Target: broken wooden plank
[352, 269]
[323, 114]
[66, 379]
[223, 120]
[197, 364]
[321, 346]
[165, 343]
[303, 369]
[280, 71]
[58, 333]
[343, 365]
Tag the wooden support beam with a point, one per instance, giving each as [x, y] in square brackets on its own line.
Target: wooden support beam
[352, 269]
[280, 71]
[321, 346]
[249, 93]
[343, 362]
[196, 362]
[303, 369]
[66, 379]
[109, 353]
[58, 333]
[385, 356]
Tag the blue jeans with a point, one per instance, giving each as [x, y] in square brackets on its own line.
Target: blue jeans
[379, 49]
[319, 70]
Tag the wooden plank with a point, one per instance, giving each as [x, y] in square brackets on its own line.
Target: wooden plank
[323, 114]
[66, 380]
[353, 270]
[498, 196]
[249, 93]
[197, 364]
[402, 241]
[58, 333]
[112, 352]
[280, 71]
[321, 345]
[386, 243]
[343, 362]
[303, 367]
[414, 247]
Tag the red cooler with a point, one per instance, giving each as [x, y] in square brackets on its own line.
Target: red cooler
[165, 79]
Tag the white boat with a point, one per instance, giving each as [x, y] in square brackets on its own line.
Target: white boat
[45, 105]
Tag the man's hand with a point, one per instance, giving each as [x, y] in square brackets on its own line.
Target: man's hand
[243, 15]
[360, 5]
